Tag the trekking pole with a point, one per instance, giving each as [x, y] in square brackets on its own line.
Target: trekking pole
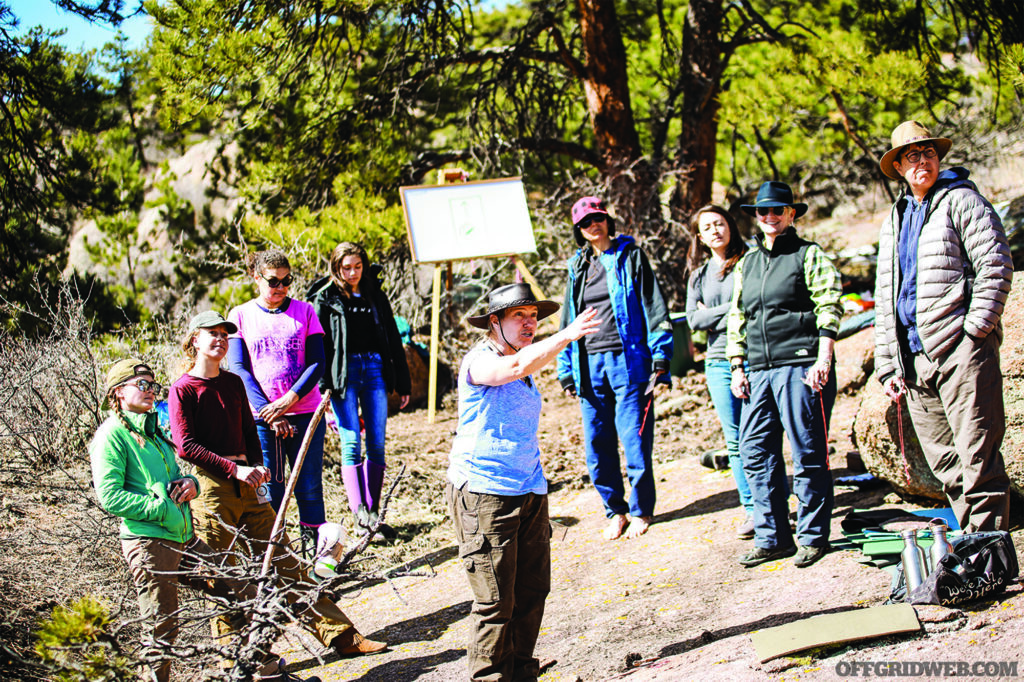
[275, 533]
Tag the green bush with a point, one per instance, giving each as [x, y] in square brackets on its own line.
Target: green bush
[75, 642]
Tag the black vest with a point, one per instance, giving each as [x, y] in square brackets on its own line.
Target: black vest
[782, 328]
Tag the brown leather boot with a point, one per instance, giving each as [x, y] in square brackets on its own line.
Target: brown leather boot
[356, 645]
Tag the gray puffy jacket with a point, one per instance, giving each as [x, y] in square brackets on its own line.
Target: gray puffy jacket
[963, 278]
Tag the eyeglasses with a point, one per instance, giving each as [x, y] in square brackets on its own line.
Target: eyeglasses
[147, 386]
[915, 156]
[274, 282]
[590, 220]
[774, 210]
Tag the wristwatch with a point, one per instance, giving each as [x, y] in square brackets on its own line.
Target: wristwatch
[735, 366]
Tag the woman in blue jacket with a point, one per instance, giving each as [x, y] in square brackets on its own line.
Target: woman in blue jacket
[612, 370]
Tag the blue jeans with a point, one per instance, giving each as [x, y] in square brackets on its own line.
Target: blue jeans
[780, 400]
[613, 410]
[309, 488]
[364, 388]
[719, 378]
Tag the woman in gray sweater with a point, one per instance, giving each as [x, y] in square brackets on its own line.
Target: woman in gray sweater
[713, 233]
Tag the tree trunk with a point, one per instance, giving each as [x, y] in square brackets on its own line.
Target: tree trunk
[631, 184]
[701, 75]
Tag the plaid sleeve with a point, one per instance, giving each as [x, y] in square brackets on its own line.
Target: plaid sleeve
[825, 286]
[736, 332]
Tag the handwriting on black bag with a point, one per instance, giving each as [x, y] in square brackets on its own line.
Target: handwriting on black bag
[973, 588]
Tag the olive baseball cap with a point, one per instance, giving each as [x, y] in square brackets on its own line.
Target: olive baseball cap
[208, 319]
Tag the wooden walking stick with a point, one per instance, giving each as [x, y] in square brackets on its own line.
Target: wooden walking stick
[275, 533]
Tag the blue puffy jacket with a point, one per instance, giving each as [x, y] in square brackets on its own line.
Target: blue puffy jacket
[641, 315]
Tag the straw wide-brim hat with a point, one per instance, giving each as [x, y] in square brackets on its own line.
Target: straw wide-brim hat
[511, 296]
[907, 133]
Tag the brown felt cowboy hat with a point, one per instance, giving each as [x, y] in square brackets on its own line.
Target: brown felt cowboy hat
[511, 296]
[907, 133]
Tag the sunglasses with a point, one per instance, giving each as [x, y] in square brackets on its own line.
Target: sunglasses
[590, 220]
[147, 386]
[274, 282]
[775, 210]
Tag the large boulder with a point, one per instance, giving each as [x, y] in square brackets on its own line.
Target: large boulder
[419, 374]
[855, 361]
[877, 427]
[886, 453]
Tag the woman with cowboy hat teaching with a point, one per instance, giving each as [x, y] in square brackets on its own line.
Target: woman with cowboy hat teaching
[781, 334]
[496, 491]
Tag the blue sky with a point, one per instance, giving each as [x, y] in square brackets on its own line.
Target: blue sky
[81, 35]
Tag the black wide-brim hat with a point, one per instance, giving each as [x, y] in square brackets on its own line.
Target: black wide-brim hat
[511, 296]
[773, 194]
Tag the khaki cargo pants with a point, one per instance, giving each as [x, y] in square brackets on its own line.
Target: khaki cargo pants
[505, 547]
[157, 568]
[244, 527]
[956, 405]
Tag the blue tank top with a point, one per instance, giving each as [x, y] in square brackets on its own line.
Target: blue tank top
[495, 450]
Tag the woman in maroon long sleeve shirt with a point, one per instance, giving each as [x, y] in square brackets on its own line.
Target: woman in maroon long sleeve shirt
[214, 429]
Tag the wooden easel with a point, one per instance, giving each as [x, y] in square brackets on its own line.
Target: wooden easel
[506, 244]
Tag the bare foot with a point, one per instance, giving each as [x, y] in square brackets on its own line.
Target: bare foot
[638, 525]
[616, 527]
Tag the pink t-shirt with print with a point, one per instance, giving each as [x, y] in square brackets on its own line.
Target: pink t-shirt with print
[277, 347]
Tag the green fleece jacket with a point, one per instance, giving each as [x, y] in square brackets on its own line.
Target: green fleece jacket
[131, 479]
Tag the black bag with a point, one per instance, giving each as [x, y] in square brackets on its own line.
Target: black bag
[981, 564]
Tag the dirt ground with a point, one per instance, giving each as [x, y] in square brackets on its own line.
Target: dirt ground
[673, 604]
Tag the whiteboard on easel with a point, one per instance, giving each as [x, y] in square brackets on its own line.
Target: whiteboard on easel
[485, 218]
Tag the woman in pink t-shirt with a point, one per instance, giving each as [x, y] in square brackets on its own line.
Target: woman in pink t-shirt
[279, 353]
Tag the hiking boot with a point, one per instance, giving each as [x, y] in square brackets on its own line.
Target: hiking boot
[356, 645]
[715, 459]
[745, 531]
[280, 674]
[760, 555]
[385, 533]
[807, 555]
[307, 542]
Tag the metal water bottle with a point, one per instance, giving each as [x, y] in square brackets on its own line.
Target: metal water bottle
[914, 565]
[940, 545]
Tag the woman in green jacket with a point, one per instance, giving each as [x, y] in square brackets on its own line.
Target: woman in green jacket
[136, 477]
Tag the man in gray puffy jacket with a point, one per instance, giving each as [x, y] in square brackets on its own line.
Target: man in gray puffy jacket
[944, 273]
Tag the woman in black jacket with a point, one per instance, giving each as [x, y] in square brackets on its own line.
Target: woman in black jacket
[365, 362]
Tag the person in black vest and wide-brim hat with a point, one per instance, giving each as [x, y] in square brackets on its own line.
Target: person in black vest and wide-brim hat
[782, 329]
[496, 491]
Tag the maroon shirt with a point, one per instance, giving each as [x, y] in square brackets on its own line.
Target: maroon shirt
[211, 419]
